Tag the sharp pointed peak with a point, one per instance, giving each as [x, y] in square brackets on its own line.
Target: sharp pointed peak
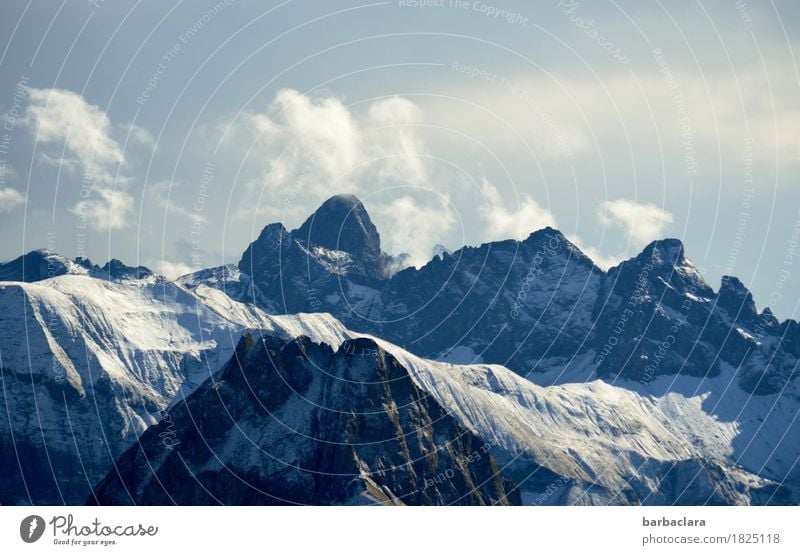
[664, 252]
[552, 239]
[341, 223]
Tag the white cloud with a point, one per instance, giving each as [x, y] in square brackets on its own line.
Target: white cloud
[108, 209]
[172, 270]
[516, 223]
[643, 222]
[62, 117]
[10, 199]
[413, 227]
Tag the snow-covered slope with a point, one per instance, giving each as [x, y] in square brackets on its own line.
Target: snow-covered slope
[87, 364]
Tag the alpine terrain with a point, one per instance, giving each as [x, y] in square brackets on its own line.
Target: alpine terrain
[319, 370]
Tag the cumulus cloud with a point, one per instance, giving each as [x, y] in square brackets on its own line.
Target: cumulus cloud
[515, 223]
[107, 209]
[305, 147]
[62, 117]
[643, 222]
[413, 227]
[10, 199]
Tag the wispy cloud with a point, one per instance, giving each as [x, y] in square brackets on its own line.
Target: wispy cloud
[603, 261]
[641, 222]
[138, 134]
[394, 142]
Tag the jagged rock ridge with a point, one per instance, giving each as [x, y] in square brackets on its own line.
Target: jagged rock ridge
[538, 306]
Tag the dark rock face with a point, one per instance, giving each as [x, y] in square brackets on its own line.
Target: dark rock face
[339, 238]
[117, 270]
[508, 301]
[295, 270]
[34, 266]
[533, 305]
[295, 422]
[342, 224]
[650, 316]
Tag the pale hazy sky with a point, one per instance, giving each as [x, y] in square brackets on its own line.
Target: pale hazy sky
[168, 134]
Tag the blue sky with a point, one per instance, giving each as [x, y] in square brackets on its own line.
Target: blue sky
[168, 134]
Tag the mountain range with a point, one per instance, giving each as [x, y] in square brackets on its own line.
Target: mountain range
[319, 370]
